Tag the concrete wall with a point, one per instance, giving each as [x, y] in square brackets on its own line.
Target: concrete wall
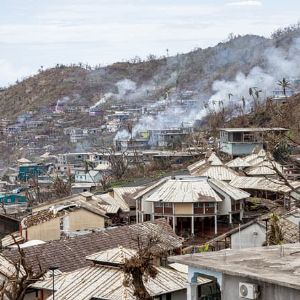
[83, 219]
[77, 220]
[230, 289]
[251, 236]
[183, 208]
[46, 231]
[237, 149]
[147, 207]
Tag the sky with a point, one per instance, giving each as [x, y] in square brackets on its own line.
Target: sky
[36, 33]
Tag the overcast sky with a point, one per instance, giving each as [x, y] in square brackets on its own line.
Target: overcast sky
[47, 32]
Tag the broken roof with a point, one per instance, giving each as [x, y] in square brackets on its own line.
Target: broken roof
[57, 211]
[69, 254]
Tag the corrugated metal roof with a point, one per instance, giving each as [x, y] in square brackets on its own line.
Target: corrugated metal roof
[8, 240]
[7, 269]
[149, 188]
[215, 160]
[69, 254]
[212, 160]
[238, 163]
[107, 282]
[265, 167]
[123, 194]
[231, 191]
[112, 256]
[217, 172]
[185, 189]
[262, 183]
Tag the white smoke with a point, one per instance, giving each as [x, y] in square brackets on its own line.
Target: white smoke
[60, 103]
[125, 86]
[279, 63]
[103, 100]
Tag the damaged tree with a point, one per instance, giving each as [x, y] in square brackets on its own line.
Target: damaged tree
[139, 268]
[19, 277]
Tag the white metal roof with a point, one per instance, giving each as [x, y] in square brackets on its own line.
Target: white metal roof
[231, 191]
[217, 172]
[186, 189]
[238, 163]
[262, 183]
[112, 256]
[212, 160]
[107, 283]
[265, 167]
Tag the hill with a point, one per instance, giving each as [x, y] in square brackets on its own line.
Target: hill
[194, 71]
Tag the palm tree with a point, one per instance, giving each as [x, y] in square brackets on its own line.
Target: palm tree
[284, 84]
[254, 93]
[244, 104]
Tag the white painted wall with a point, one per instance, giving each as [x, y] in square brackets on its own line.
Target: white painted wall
[251, 236]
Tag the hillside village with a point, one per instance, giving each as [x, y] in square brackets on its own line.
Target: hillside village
[128, 182]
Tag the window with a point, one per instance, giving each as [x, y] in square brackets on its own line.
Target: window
[168, 204]
[158, 204]
[209, 204]
[198, 205]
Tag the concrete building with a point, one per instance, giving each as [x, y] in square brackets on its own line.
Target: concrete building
[268, 273]
[242, 141]
[60, 220]
[190, 203]
[90, 176]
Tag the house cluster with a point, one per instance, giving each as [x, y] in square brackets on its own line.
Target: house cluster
[226, 203]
